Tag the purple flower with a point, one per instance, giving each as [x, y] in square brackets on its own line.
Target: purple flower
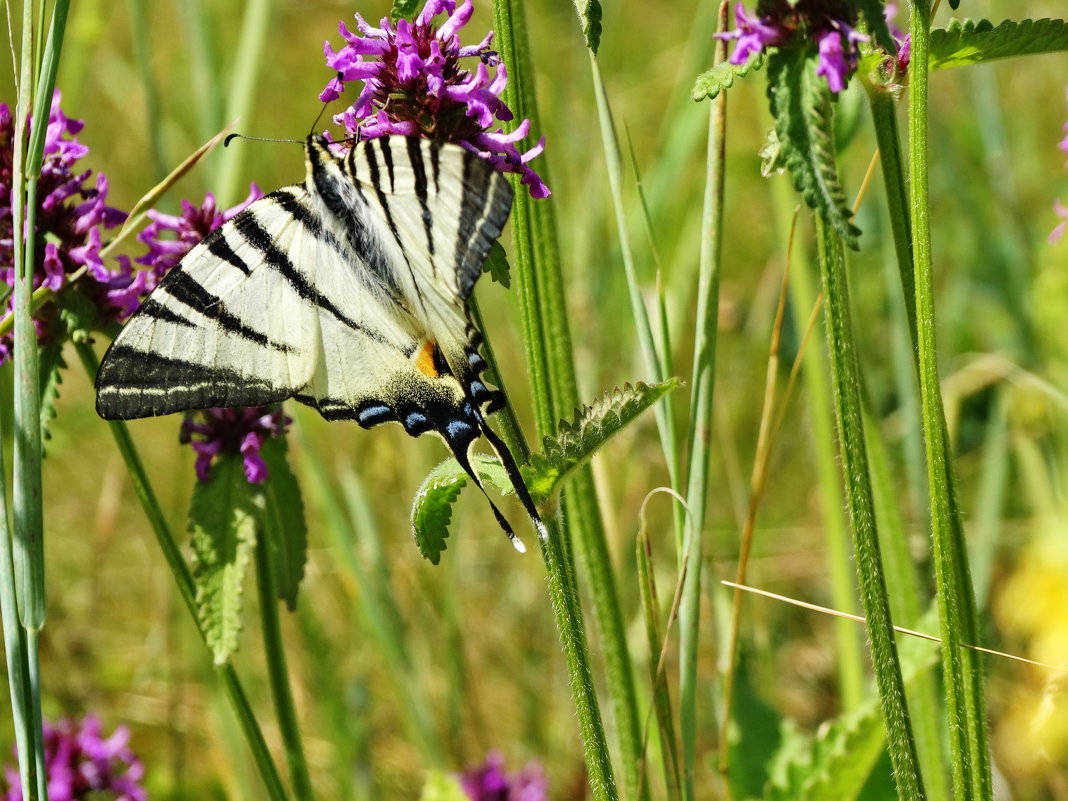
[221, 431]
[1061, 211]
[489, 782]
[81, 764]
[414, 85]
[753, 35]
[830, 24]
[72, 209]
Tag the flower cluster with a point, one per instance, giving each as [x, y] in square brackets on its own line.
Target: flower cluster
[219, 431]
[81, 764]
[489, 782]
[414, 85]
[828, 23]
[71, 211]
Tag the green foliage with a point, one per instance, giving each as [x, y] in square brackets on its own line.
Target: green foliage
[835, 764]
[403, 8]
[228, 517]
[442, 787]
[222, 521]
[281, 516]
[497, 265]
[804, 125]
[880, 31]
[967, 42]
[432, 506]
[589, 12]
[50, 361]
[711, 82]
[575, 442]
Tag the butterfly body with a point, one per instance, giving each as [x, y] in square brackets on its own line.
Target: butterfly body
[347, 293]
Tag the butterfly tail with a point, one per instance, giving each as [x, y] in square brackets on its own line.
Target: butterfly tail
[461, 456]
[510, 466]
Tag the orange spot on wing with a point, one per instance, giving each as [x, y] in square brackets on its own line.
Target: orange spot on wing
[424, 359]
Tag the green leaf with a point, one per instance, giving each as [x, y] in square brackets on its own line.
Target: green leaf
[800, 103]
[432, 507]
[592, 427]
[836, 763]
[281, 513]
[50, 361]
[403, 8]
[971, 42]
[442, 787]
[222, 520]
[496, 265]
[711, 82]
[589, 12]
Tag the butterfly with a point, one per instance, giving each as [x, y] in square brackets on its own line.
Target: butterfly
[347, 293]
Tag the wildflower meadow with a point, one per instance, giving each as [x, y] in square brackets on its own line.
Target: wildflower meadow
[741, 324]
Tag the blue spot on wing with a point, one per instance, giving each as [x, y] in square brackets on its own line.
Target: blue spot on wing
[373, 415]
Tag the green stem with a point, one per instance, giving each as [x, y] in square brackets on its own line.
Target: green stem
[568, 614]
[845, 376]
[278, 674]
[15, 649]
[956, 600]
[180, 571]
[548, 343]
[691, 548]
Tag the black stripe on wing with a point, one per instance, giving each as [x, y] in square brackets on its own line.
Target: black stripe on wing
[132, 383]
[186, 290]
[256, 236]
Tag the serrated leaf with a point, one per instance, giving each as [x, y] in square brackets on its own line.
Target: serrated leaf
[591, 428]
[432, 506]
[50, 362]
[589, 12]
[496, 265]
[836, 763]
[281, 511]
[800, 104]
[222, 521]
[711, 82]
[967, 42]
[403, 8]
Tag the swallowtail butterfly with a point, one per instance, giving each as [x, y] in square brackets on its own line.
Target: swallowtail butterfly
[347, 293]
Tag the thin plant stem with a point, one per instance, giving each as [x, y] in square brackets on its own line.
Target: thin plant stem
[845, 377]
[250, 727]
[278, 674]
[548, 344]
[691, 547]
[963, 682]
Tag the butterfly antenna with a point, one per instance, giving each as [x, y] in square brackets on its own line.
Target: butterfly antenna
[228, 139]
[510, 467]
[465, 463]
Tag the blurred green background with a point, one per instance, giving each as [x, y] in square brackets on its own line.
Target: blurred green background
[152, 82]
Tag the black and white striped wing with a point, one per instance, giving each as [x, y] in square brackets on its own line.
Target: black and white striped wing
[436, 210]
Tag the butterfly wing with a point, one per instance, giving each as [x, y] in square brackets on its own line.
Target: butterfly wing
[347, 294]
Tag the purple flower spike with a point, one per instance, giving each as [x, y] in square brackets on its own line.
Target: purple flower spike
[414, 85]
[221, 431]
[81, 765]
[71, 213]
[489, 782]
